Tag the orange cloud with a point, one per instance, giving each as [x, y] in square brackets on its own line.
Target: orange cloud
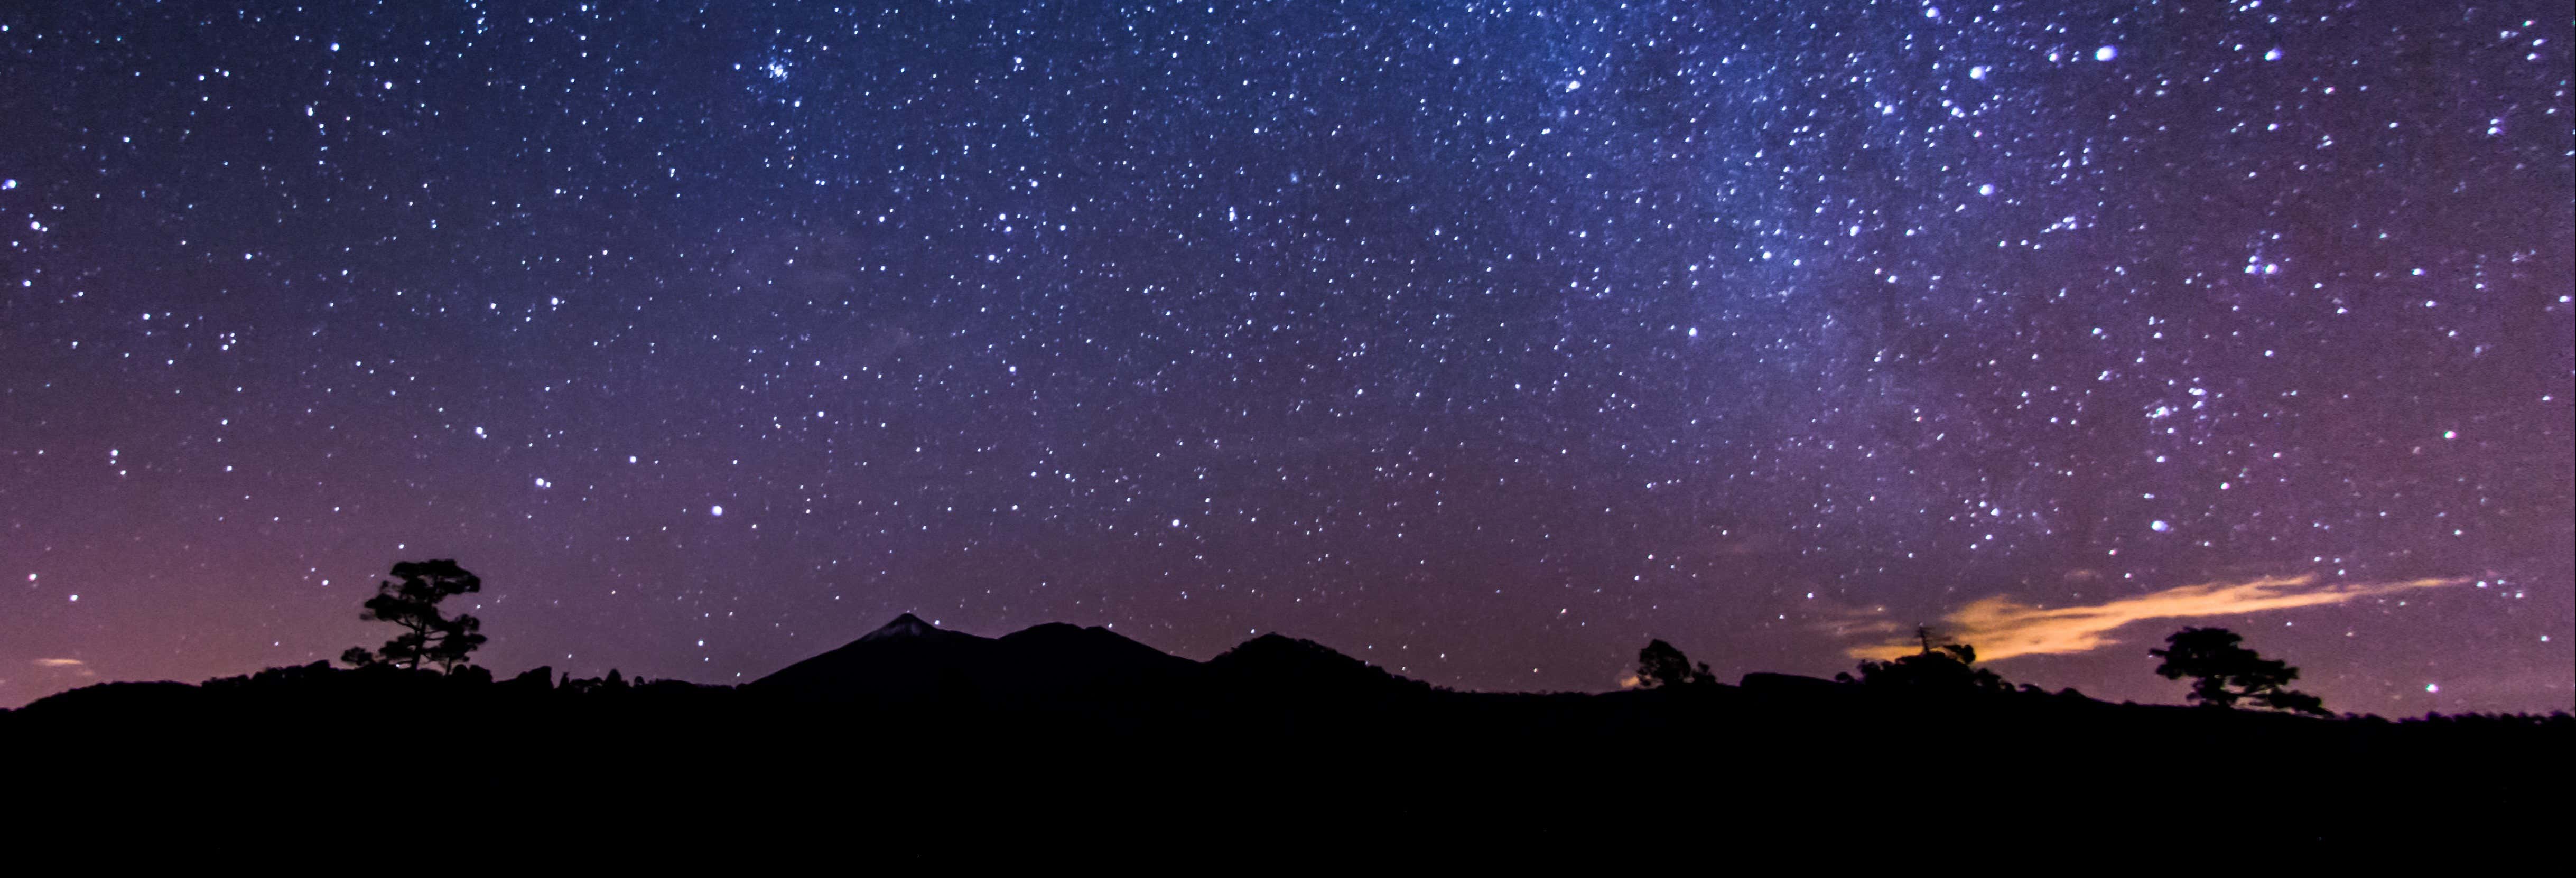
[76, 667]
[2001, 628]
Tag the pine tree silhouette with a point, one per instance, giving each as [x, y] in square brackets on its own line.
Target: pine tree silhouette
[428, 635]
[2224, 672]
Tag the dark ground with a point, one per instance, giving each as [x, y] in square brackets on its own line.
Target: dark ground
[1279, 752]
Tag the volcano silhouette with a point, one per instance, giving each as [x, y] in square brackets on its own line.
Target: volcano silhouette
[910, 659]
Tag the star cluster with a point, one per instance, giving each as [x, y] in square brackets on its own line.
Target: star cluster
[1482, 341]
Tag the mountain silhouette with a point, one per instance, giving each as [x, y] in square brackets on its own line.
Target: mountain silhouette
[904, 626]
[908, 659]
[912, 727]
[1276, 663]
[1070, 658]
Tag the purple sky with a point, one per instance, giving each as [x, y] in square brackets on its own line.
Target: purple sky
[1480, 341]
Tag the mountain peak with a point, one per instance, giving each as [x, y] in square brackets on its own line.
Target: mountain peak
[1277, 659]
[906, 625]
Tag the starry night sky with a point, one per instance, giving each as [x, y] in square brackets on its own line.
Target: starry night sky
[1479, 340]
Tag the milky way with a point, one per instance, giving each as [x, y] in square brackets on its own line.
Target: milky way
[1482, 341]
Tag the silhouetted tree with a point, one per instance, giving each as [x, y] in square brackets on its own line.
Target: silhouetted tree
[1949, 667]
[1660, 665]
[2224, 672]
[428, 635]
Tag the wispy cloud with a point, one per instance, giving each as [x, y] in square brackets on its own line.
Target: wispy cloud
[60, 662]
[2001, 628]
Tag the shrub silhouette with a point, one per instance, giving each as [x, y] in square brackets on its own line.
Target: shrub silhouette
[2224, 672]
[1660, 665]
[1949, 667]
[428, 635]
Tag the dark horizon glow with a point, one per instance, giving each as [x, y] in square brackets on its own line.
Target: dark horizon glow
[1482, 342]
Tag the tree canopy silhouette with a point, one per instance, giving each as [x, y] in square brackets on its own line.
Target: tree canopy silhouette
[428, 635]
[2224, 672]
[1660, 664]
[1949, 667]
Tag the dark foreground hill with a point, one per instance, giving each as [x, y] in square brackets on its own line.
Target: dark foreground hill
[1073, 733]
